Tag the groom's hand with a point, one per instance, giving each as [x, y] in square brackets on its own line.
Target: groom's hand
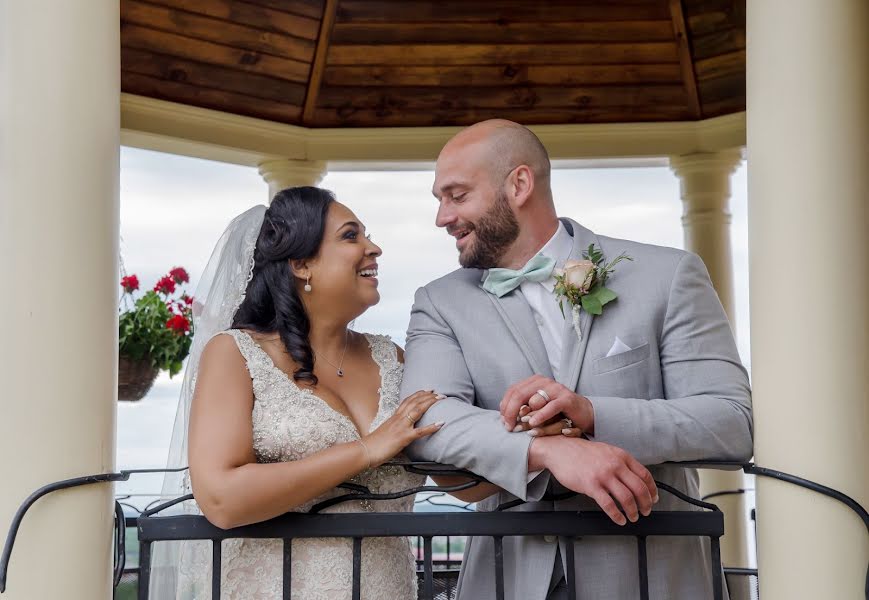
[556, 400]
[607, 474]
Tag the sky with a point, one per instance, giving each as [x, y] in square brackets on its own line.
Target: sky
[174, 208]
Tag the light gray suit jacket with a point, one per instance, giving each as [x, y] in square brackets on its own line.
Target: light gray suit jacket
[680, 394]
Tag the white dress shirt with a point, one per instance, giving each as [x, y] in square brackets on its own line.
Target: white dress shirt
[541, 298]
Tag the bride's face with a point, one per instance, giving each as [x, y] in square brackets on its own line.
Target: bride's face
[344, 272]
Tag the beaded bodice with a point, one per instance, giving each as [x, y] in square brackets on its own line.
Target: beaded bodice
[290, 423]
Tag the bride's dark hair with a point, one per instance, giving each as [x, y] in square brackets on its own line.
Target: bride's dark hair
[292, 229]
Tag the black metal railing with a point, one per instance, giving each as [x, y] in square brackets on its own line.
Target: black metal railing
[497, 525]
[152, 527]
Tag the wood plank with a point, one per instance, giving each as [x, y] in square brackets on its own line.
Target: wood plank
[693, 7]
[171, 68]
[497, 75]
[696, 7]
[502, 11]
[319, 65]
[686, 62]
[305, 8]
[703, 19]
[216, 30]
[442, 98]
[481, 54]
[142, 38]
[405, 118]
[714, 44]
[499, 33]
[727, 87]
[251, 15]
[174, 91]
[730, 64]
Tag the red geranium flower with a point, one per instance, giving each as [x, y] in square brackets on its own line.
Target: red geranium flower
[166, 285]
[179, 324]
[188, 300]
[179, 275]
[130, 283]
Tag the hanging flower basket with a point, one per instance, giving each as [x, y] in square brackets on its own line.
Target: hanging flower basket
[135, 378]
[154, 333]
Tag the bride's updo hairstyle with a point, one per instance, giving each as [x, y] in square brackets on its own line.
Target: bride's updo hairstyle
[292, 229]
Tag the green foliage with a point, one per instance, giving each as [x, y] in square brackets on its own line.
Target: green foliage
[157, 327]
[593, 254]
[605, 271]
[143, 334]
[594, 301]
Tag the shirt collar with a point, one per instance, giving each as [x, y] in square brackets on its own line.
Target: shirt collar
[558, 248]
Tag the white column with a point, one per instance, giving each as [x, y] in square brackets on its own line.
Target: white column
[704, 183]
[808, 183]
[59, 146]
[286, 172]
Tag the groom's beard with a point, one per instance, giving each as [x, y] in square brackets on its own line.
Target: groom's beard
[495, 232]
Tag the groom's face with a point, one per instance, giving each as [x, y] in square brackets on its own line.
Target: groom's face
[474, 208]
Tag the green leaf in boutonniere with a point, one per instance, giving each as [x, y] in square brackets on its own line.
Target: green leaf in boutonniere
[603, 294]
[591, 304]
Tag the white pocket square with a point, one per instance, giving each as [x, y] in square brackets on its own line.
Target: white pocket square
[618, 347]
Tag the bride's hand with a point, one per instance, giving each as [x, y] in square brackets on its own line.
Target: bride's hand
[399, 430]
[557, 425]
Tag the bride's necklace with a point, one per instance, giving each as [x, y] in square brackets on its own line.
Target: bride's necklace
[340, 370]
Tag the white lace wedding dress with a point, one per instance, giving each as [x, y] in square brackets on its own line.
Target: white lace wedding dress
[290, 423]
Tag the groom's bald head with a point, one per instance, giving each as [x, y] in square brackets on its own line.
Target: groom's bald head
[499, 146]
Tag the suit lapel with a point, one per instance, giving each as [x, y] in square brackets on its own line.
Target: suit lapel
[573, 350]
[518, 318]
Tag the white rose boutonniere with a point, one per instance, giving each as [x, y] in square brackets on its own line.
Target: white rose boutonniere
[583, 284]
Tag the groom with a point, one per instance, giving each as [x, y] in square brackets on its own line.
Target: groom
[656, 377]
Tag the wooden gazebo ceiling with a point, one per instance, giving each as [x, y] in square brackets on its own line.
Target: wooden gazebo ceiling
[383, 63]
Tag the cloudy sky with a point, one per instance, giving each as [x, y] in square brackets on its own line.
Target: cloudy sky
[174, 208]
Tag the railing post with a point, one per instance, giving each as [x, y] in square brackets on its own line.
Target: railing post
[499, 567]
[216, 565]
[144, 570]
[570, 572]
[288, 567]
[643, 565]
[717, 583]
[357, 568]
[427, 569]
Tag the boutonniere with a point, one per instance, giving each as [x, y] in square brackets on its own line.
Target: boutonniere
[583, 284]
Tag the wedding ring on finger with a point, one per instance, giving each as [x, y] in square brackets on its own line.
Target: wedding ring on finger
[570, 430]
[409, 418]
[544, 395]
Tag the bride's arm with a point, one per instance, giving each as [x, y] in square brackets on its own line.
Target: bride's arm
[231, 488]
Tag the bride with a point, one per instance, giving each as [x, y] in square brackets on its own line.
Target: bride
[282, 402]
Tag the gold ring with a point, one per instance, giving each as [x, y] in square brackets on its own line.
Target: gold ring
[408, 417]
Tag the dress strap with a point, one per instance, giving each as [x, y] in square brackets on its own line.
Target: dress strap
[383, 351]
[252, 353]
[385, 354]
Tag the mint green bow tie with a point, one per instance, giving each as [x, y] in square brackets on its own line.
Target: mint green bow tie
[504, 281]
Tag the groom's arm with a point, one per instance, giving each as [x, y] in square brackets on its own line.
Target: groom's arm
[706, 409]
[473, 438]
